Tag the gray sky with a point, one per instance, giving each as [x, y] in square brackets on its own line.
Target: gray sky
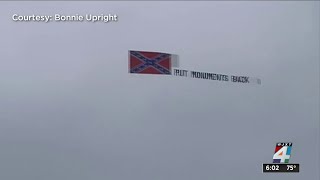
[69, 110]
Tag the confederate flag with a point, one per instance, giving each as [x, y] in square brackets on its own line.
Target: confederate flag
[143, 62]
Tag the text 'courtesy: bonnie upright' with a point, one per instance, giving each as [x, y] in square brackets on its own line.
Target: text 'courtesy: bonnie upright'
[65, 18]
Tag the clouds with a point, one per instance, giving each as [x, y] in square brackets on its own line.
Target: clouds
[70, 110]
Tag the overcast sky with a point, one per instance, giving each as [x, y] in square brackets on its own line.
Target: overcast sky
[69, 110]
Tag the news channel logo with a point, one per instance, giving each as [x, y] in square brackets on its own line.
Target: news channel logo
[282, 153]
[281, 157]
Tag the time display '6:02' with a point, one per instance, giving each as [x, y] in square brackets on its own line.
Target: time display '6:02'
[280, 168]
[272, 167]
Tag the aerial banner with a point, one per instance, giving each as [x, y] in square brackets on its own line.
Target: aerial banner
[216, 77]
[144, 62]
